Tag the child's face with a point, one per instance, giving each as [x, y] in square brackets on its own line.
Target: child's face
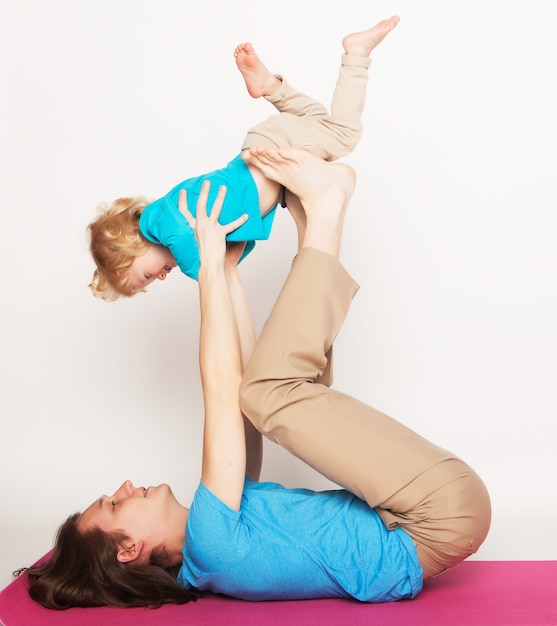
[157, 262]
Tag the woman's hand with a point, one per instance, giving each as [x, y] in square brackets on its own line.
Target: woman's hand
[210, 234]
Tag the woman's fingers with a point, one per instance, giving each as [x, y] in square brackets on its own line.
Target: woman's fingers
[236, 223]
[216, 208]
[201, 208]
[217, 204]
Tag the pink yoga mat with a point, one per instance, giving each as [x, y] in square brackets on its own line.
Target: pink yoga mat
[475, 593]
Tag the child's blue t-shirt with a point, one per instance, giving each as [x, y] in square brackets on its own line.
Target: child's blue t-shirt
[161, 221]
[287, 544]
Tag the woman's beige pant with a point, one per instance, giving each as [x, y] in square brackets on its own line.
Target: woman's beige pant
[437, 498]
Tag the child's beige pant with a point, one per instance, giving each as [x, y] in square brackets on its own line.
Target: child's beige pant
[438, 499]
[306, 123]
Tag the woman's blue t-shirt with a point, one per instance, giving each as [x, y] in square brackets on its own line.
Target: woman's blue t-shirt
[287, 544]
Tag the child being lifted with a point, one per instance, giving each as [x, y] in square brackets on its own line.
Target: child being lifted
[134, 242]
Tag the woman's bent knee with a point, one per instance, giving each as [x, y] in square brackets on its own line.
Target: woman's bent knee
[458, 523]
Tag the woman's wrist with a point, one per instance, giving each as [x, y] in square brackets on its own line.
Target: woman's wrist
[231, 269]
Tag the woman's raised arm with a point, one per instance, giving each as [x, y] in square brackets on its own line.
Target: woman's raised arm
[220, 358]
[244, 321]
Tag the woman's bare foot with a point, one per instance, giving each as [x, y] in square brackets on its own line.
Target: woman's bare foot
[324, 190]
[258, 79]
[361, 44]
[305, 175]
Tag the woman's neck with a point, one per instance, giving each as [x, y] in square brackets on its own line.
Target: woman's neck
[175, 543]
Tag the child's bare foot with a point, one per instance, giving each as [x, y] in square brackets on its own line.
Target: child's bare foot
[258, 79]
[361, 44]
[324, 190]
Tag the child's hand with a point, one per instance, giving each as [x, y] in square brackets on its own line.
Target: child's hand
[210, 234]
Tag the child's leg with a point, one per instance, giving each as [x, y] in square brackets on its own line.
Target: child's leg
[411, 482]
[260, 82]
[306, 123]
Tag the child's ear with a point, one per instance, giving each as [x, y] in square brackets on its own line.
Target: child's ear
[129, 551]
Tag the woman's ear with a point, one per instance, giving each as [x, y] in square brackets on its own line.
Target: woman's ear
[129, 551]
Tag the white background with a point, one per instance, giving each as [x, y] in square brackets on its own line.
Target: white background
[451, 234]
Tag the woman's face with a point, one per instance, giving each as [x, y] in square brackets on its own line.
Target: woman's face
[150, 517]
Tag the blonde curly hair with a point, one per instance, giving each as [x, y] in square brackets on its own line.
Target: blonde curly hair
[115, 241]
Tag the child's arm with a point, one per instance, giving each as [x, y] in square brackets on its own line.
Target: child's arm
[220, 360]
[254, 441]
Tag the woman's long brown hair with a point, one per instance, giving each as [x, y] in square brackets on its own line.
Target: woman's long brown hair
[84, 571]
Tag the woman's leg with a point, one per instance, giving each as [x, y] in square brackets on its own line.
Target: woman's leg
[411, 482]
